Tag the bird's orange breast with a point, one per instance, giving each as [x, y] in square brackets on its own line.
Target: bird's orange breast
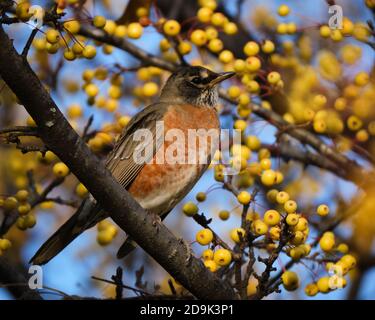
[160, 186]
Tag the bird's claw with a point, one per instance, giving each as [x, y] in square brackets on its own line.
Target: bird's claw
[188, 251]
[156, 221]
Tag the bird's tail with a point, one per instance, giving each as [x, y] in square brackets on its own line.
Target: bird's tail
[128, 246]
[86, 216]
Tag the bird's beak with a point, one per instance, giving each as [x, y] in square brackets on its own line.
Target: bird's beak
[221, 77]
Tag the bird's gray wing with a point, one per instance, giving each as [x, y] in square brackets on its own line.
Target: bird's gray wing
[130, 154]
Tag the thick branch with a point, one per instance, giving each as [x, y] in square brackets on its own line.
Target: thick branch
[173, 254]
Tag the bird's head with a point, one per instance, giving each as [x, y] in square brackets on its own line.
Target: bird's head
[194, 85]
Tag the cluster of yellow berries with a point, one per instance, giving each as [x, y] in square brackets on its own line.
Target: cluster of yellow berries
[336, 280]
[20, 202]
[54, 40]
[213, 260]
[106, 232]
[110, 102]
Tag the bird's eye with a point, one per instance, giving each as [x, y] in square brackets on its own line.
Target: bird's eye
[196, 80]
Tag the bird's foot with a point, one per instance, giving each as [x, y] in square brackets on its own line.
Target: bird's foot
[156, 221]
[189, 251]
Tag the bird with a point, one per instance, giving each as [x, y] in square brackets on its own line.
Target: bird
[188, 101]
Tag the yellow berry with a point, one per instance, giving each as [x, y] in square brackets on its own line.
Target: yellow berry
[275, 233]
[251, 48]
[322, 210]
[5, 244]
[265, 164]
[302, 224]
[211, 33]
[268, 46]
[253, 143]
[272, 217]
[343, 248]
[24, 209]
[10, 203]
[354, 123]
[282, 28]
[150, 89]
[325, 31]
[190, 209]
[210, 265]
[204, 14]
[208, 254]
[271, 195]
[121, 31]
[72, 26]
[340, 104]
[237, 234]
[81, 190]
[52, 36]
[296, 253]
[253, 64]
[230, 28]
[218, 19]
[99, 21]
[198, 37]
[361, 79]
[215, 45]
[282, 197]
[226, 56]
[292, 219]
[22, 195]
[222, 257]
[323, 285]
[320, 126]
[327, 243]
[184, 47]
[89, 52]
[290, 206]
[268, 177]
[311, 289]
[349, 260]
[204, 236]
[135, 30]
[224, 215]
[171, 28]
[260, 227]
[74, 111]
[60, 170]
[91, 90]
[283, 10]
[21, 223]
[273, 77]
[336, 35]
[201, 196]
[291, 28]
[290, 280]
[244, 197]
[69, 54]
[104, 237]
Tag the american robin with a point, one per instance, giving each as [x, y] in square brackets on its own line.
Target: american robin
[186, 102]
